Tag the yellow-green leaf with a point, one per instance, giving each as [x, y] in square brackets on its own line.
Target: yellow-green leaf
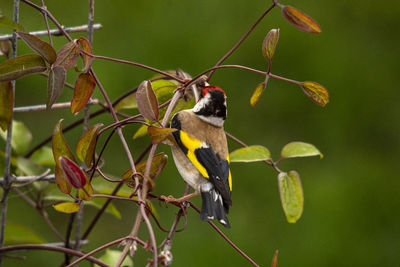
[316, 92]
[87, 60]
[269, 44]
[43, 156]
[8, 23]
[6, 104]
[42, 48]
[255, 97]
[300, 20]
[28, 167]
[147, 101]
[83, 90]
[21, 137]
[89, 189]
[128, 102]
[159, 134]
[142, 131]
[99, 202]
[291, 193]
[67, 207]
[110, 257]
[299, 149]
[18, 67]
[250, 154]
[19, 234]
[86, 146]
[61, 148]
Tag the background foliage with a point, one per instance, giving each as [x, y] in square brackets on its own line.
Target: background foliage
[350, 216]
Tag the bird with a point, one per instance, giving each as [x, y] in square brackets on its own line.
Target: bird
[201, 153]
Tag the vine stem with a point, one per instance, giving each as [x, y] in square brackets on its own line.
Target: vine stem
[242, 39]
[7, 162]
[52, 248]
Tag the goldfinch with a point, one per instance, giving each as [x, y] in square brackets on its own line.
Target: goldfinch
[201, 154]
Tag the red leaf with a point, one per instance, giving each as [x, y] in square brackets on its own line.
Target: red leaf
[83, 90]
[87, 60]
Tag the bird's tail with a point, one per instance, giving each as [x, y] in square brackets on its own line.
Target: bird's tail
[214, 208]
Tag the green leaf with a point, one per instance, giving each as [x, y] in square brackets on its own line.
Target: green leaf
[147, 101]
[83, 90]
[29, 167]
[110, 257]
[61, 148]
[7, 23]
[55, 84]
[299, 149]
[142, 131]
[42, 48]
[67, 207]
[291, 193]
[21, 137]
[128, 102]
[43, 156]
[19, 234]
[86, 146]
[250, 154]
[98, 204]
[18, 67]
[104, 187]
[6, 104]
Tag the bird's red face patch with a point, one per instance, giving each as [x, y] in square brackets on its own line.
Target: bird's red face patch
[211, 88]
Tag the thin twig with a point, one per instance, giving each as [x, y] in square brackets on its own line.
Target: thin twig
[55, 32]
[52, 248]
[47, 24]
[242, 39]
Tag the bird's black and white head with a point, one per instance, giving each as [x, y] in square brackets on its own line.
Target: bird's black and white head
[211, 107]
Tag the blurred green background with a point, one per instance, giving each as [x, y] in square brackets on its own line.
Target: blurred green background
[351, 213]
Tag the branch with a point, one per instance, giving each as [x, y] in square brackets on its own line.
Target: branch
[52, 248]
[56, 32]
[55, 106]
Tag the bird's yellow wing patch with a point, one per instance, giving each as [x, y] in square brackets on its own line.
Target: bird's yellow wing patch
[192, 143]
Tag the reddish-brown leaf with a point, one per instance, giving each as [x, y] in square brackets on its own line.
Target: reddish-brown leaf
[55, 84]
[159, 134]
[18, 67]
[316, 92]
[269, 44]
[61, 148]
[147, 101]
[300, 20]
[5, 47]
[6, 104]
[87, 60]
[74, 174]
[86, 146]
[67, 55]
[42, 48]
[83, 90]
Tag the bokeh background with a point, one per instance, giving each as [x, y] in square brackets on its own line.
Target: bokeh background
[351, 213]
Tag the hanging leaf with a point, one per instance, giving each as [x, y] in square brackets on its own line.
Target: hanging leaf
[7, 23]
[316, 92]
[6, 104]
[83, 90]
[5, 47]
[42, 48]
[89, 189]
[86, 146]
[275, 259]
[160, 134]
[18, 67]
[67, 55]
[157, 165]
[110, 257]
[74, 174]
[43, 156]
[300, 20]
[299, 149]
[147, 101]
[291, 193]
[61, 148]
[256, 96]
[67, 207]
[87, 60]
[55, 84]
[269, 44]
[19, 234]
[250, 154]
[21, 137]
